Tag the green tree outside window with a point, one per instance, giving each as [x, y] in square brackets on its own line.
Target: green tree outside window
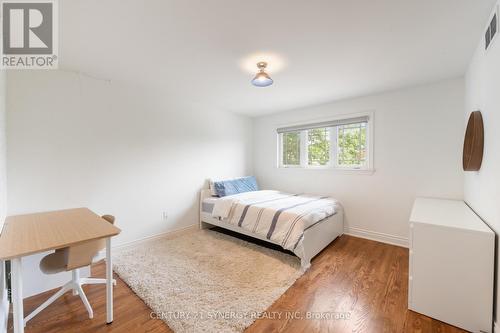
[291, 148]
[351, 143]
[318, 146]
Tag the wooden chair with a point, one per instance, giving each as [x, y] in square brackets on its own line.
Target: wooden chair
[71, 259]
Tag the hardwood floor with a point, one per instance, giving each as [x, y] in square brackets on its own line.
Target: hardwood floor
[365, 281]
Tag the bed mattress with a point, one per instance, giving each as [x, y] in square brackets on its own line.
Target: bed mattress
[279, 217]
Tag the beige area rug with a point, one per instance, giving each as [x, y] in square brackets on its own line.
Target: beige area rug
[206, 281]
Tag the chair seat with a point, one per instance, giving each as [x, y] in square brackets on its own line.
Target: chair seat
[71, 259]
[53, 263]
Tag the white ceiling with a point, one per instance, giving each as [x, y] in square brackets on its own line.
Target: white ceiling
[198, 51]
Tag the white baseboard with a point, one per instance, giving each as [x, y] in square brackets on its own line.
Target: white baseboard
[163, 235]
[376, 236]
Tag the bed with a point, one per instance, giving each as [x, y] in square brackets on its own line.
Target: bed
[303, 224]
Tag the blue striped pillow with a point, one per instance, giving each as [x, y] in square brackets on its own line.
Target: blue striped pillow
[235, 186]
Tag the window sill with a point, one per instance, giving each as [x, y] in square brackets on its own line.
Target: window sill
[369, 171]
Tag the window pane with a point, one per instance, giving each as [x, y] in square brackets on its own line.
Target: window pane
[318, 146]
[351, 142]
[291, 148]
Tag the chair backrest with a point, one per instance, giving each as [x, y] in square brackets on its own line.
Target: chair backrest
[81, 255]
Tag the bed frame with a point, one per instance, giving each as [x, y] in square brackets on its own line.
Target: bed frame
[316, 238]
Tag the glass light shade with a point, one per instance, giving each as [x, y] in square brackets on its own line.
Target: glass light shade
[262, 80]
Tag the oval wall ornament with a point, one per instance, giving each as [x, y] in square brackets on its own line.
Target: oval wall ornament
[473, 143]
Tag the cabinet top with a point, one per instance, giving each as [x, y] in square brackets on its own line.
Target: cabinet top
[447, 213]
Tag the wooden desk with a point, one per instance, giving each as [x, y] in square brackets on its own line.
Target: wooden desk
[24, 235]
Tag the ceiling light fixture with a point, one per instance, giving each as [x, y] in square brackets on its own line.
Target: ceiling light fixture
[262, 79]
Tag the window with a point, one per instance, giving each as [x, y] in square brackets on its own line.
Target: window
[291, 148]
[338, 144]
[351, 142]
[318, 146]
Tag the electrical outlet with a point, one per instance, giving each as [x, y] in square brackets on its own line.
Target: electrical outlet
[165, 216]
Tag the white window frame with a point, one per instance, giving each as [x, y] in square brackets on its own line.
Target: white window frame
[332, 164]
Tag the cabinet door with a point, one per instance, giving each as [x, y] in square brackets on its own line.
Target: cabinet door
[452, 275]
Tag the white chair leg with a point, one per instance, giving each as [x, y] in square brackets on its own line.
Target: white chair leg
[94, 281]
[85, 301]
[75, 278]
[51, 300]
[75, 286]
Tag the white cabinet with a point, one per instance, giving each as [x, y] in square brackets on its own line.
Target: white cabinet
[451, 264]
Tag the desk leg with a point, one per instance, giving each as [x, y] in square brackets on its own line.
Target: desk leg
[17, 295]
[109, 283]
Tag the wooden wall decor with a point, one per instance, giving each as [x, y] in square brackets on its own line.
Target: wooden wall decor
[473, 143]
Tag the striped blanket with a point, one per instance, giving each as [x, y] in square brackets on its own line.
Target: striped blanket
[279, 217]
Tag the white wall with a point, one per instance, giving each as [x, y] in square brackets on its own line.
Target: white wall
[482, 188]
[3, 201]
[120, 149]
[418, 143]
